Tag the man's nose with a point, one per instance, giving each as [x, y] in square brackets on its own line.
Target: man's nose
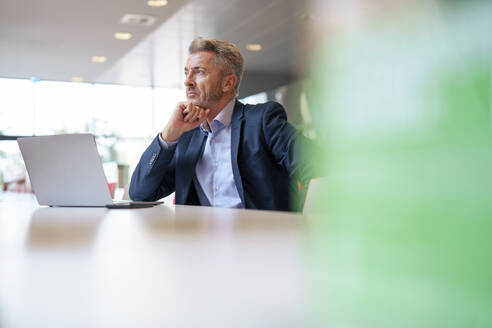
[189, 81]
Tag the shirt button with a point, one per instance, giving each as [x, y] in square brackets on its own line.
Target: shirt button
[217, 188]
[216, 164]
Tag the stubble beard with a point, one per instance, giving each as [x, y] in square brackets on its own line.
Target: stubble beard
[210, 99]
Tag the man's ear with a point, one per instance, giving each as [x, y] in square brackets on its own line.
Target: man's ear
[228, 82]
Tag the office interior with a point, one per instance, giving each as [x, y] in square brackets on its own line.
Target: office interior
[53, 85]
[398, 95]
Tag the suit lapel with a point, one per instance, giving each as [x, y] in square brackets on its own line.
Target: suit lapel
[187, 163]
[236, 128]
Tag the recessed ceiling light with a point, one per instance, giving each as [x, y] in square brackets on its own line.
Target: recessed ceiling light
[98, 59]
[254, 47]
[77, 79]
[137, 20]
[122, 36]
[157, 3]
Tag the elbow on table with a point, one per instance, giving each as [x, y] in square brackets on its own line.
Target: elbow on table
[137, 193]
[133, 193]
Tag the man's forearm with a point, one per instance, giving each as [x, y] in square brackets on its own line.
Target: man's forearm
[153, 177]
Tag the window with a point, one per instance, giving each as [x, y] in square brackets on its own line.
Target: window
[123, 118]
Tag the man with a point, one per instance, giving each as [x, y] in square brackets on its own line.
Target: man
[217, 151]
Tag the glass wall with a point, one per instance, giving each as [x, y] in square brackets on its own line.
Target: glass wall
[123, 118]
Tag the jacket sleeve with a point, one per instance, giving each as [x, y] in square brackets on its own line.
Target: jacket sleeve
[154, 176]
[288, 146]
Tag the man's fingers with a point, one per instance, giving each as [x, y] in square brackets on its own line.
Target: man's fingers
[193, 113]
[188, 112]
[202, 115]
[182, 107]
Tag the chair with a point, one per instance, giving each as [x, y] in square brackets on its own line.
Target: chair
[316, 189]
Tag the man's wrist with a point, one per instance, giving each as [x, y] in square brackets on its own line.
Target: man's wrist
[168, 137]
[166, 144]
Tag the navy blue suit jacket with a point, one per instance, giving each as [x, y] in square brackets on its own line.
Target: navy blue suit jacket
[267, 161]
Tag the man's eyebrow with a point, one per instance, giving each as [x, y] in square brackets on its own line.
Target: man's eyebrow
[194, 68]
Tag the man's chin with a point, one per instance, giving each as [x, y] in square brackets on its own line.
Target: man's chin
[195, 102]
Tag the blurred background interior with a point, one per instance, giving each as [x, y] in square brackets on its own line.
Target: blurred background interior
[115, 69]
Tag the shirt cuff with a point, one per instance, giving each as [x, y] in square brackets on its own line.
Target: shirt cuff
[167, 144]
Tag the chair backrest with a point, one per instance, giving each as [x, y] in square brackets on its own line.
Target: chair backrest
[314, 195]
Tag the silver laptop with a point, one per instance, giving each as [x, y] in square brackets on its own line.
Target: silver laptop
[65, 170]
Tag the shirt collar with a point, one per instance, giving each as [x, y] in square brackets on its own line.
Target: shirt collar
[222, 119]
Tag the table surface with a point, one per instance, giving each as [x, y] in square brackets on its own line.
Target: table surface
[179, 266]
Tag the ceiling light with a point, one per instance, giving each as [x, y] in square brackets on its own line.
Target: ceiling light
[122, 36]
[77, 79]
[254, 47]
[98, 59]
[137, 20]
[157, 3]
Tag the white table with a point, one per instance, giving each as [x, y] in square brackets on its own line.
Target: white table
[173, 266]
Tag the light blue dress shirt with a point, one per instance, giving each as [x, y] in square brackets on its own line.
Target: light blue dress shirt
[214, 180]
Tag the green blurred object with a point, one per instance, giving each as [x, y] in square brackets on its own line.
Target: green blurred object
[402, 235]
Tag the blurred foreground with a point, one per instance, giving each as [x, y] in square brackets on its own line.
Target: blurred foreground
[402, 234]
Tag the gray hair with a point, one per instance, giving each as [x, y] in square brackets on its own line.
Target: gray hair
[226, 54]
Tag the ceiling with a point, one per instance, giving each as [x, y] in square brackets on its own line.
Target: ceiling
[55, 39]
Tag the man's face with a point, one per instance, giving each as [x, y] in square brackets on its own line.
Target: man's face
[203, 79]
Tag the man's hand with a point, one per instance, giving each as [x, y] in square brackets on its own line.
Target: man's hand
[185, 117]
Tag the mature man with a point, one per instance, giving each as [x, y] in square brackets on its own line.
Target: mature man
[217, 151]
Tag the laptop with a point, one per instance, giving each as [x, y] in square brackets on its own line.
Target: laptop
[65, 170]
